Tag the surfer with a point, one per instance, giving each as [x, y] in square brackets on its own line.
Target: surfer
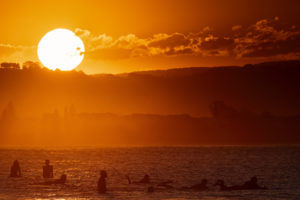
[102, 182]
[47, 170]
[61, 180]
[144, 180]
[15, 170]
[223, 186]
[252, 185]
[200, 186]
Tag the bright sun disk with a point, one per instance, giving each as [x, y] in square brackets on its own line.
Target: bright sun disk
[61, 49]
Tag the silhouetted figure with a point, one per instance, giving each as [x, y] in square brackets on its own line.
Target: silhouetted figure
[128, 178]
[47, 170]
[223, 187]
[61, 180]
[15, 170]
[102, 182]
[166, 184]
[150, 189]
[201, 186]
[252, 184]
[146, 179]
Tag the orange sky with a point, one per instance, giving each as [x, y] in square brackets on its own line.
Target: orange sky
[122, 36]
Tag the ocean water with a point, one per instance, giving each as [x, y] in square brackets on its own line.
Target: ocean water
[276, 167]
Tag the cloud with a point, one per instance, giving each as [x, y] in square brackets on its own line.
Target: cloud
[105, 47]
[236, 27]
[8, 49]
[17, 53]
[266, 38]
[169, 41]
[93, 42]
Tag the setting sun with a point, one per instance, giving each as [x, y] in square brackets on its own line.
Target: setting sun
[140, 99]
[60, 49]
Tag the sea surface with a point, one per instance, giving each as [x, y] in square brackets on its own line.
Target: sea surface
[277, 167]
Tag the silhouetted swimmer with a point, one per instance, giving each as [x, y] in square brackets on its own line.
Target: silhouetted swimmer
[252, 185]
[146, 179]
[128, 179]
[201, 186]
[47, 170]
[150, 189]
[223, 187]
[61, 180]
[102, 182]
[15, 170]
[166, 184]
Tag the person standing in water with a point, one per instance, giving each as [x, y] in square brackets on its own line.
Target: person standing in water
[146, 179]
[102, 182]
[15, 170]
[47, 170]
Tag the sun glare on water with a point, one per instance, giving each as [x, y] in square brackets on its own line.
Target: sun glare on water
[61, 49]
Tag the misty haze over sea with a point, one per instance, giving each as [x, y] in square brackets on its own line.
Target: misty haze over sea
[253, 104]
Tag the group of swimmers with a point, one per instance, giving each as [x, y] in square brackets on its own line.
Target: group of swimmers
[202, 186]
[101, 186]
[15, 171]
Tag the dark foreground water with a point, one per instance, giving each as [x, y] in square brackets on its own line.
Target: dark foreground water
[278, 168]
